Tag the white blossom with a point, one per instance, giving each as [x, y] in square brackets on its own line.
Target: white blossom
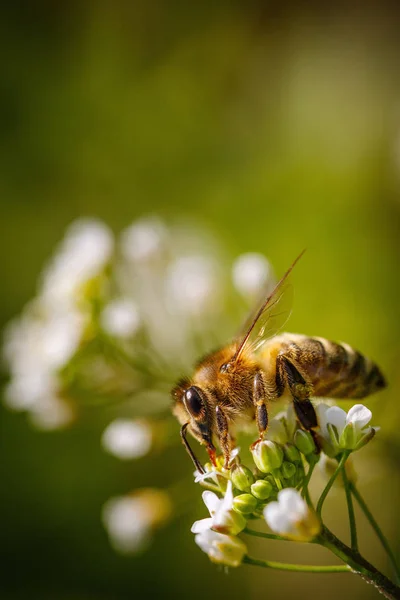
[341, 431]
[127, 438]
[250, 273]
[143, 240]
[120, 318]
[291, 517]
[130, 520]
[191, 284]
[221, 548]
[52, 412]
[82, 255]
[223, 518]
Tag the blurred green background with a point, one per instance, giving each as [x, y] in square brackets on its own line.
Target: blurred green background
[276, 125]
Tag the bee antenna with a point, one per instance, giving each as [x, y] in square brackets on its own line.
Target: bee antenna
[195, 460]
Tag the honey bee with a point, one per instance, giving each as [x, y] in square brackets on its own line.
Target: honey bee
[235, 384]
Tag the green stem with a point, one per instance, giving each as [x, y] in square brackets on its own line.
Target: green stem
[299, 568]
[358, 564]
[305, 491]
[350, 508]
[377, 529]
[330, 483]
[267, 536]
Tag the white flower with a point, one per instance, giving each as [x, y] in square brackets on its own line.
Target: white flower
[126, 438]
[291, 517]
[223, 518]
[327, 466]
[250, 273]
[36, 349]
[120, 318]
[221, 549]
[83, 254]
[143, 240]
[130, 520]
[345, 431]
[191, 283]
[35, 345]
[282, 427]
[51, 413]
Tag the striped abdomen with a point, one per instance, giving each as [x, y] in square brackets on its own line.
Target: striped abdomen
[335, 370]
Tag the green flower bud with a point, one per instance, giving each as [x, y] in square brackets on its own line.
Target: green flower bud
[222, 483]
[304, 442]
[349, 436]
[366, 438]
[245, 503]
[288, 469]
[291, 453]
[267, 456]
[241, 477]
[334, 438]
[262, 489]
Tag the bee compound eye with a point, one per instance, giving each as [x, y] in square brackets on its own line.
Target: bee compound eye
[225, 368]
[193, 401]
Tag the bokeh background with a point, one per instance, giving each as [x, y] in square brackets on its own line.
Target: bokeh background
[274, 124]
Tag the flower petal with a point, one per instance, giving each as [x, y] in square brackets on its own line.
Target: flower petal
[276, 519]
[292, 503]
[359, 415]
[202, 525]
[211, 500]
[337, 417]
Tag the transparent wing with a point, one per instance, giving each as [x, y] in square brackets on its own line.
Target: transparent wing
[270, 317]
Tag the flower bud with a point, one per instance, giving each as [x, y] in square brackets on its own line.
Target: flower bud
[222, 549]
[262, 489]
[288, 469]
[366, 438]
[304, 442]
[241, 477]
[348, 438]
[245, 503]
[267, 456]
[291, 453]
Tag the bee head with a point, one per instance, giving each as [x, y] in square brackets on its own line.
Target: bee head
[192, 409]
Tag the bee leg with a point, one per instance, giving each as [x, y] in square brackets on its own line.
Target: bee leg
[223, 435]
[259, 400]
[301, 391]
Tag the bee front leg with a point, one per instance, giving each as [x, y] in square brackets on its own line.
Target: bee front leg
[223, 435]
[301, 391]
[260, 404]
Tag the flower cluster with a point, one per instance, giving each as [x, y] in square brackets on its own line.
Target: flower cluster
[121, 318]
[275, 488]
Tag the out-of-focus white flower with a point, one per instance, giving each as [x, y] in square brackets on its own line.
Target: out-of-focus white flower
[328, 466]
[131, 520]
[36, 348]
[83, 254]
[27, 389]
[120, 318]
[51, 412]
[223, 518]
[143, 240]
[127, 438]
[291, 517]
[34, 345]
[282, 427]
[343, 431]
[221, 549]
[191, 284]
[250, 273]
